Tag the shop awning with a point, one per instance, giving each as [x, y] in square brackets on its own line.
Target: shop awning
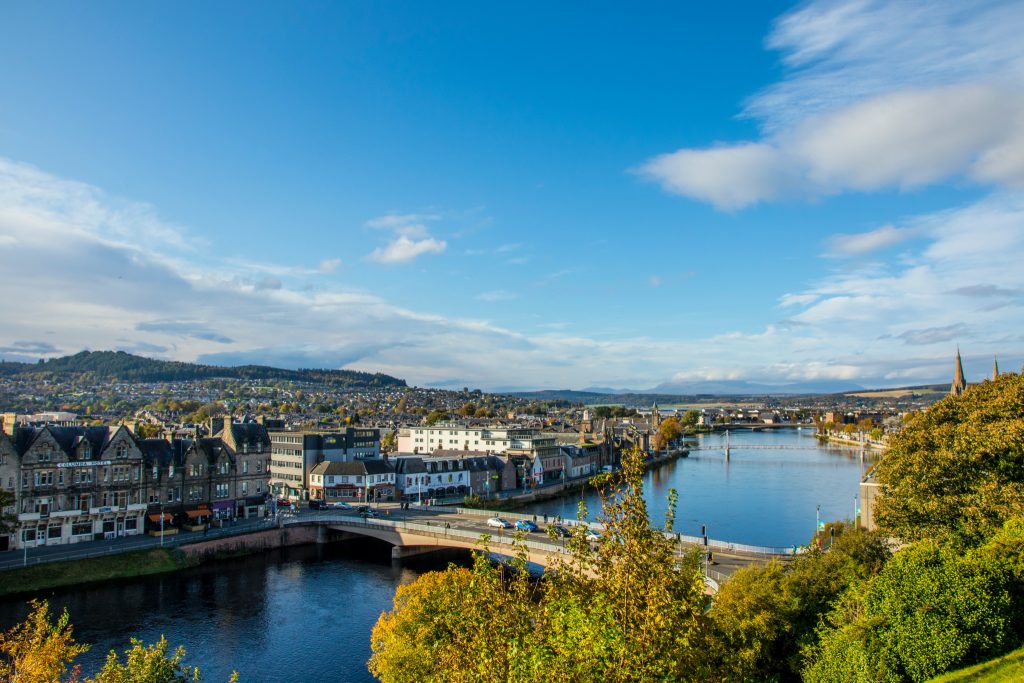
[156, 518]
[192, 514]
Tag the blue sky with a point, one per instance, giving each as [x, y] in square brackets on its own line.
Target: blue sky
[524, 196]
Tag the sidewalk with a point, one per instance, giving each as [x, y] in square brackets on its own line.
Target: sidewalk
[55, 553]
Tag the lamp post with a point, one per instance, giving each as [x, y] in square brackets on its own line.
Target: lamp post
[161, 526]
[817, 527]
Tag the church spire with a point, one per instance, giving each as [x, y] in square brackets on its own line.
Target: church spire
[995, 367]
[959, 383]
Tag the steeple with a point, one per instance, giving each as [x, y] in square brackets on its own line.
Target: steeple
[995, 367]
[655, 415]
[959, 383]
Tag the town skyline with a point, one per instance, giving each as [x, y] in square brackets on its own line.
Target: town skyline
[509, 200]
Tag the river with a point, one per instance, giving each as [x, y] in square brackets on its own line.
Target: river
[305, 614]
[760, 496]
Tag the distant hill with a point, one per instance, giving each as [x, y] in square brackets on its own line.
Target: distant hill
[125, 367]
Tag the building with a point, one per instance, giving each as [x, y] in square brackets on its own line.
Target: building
[352, 481]
[294, 454]
[72, 484]
[959, 384]
[77, 483]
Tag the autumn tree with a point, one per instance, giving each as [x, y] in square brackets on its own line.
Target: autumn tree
[957, 469]
[628, 609]
[149, 663]
[39, 650]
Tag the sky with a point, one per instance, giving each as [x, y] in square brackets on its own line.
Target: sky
[518, 196]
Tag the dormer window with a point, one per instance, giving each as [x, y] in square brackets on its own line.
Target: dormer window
[86, 451]
[122, 450]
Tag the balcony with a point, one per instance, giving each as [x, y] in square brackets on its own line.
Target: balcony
[137, 506]
[29, 517]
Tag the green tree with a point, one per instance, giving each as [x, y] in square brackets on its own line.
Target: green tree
[690, 418]
[149, 664]
[956, 469]
[435, 416]
[930, 609]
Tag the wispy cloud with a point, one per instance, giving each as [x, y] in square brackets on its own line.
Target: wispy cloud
[879, 95]
[866, 242]
[496, 295]
[412, 237]
[402, 249]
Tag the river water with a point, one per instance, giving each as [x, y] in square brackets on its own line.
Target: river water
[305, 614]
[767, 495]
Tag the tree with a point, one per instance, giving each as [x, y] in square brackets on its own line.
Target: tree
[149, 664]
[389, 442]
[690, 418]
[435, 416]
[955, 470]
[627, 610]
[929, 610]
[39, 650]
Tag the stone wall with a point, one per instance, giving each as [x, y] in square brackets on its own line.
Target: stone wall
[259, 541]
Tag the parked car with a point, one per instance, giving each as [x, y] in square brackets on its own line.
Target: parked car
[593, 536]
[339, 505]
[525, 525]
[499, 523]
[561, 531]
[317, 504]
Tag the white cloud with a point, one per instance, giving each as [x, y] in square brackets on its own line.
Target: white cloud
[879, 95]
[403, 249]
[329, 265]
[866, 242]
[496, 295]
[728, 176]
[412, 237]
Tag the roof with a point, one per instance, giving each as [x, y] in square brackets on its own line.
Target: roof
[355, 467]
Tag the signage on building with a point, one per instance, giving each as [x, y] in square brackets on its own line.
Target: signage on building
[84, 463]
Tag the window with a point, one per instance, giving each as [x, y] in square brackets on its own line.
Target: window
[156, 472]
[170, 470]
[131, 524]
[28, 535]
[86, 451]
[53, 532]
[46, 454]
[81, 529]
[225, 467]
[222, 490]
[245, 488]
[245, 467]
[122, 450]
[259, 466]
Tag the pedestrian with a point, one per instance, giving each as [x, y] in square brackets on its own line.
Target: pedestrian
[206, 529]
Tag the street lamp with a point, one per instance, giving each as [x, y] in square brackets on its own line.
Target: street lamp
[817, 527]
[161, 526]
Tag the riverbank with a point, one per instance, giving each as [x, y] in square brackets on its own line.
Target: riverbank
[136, 563]
[93, 570]
[827, 438]
[557, 491]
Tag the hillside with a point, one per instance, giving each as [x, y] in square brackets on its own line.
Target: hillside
[121, 366]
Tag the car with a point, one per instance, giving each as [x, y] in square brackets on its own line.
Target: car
[363, 509]
[369, 512]
[525, 525]
[317, 504]
[340, 505]
[499, 523]
[560, 531]
[593, 536]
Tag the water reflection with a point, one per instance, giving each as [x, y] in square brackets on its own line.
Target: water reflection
[756, 496]
[297, 614]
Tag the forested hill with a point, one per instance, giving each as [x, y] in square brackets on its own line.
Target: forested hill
[118, 365]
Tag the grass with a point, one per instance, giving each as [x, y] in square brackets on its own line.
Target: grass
[1009, 667]
[73, 572]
